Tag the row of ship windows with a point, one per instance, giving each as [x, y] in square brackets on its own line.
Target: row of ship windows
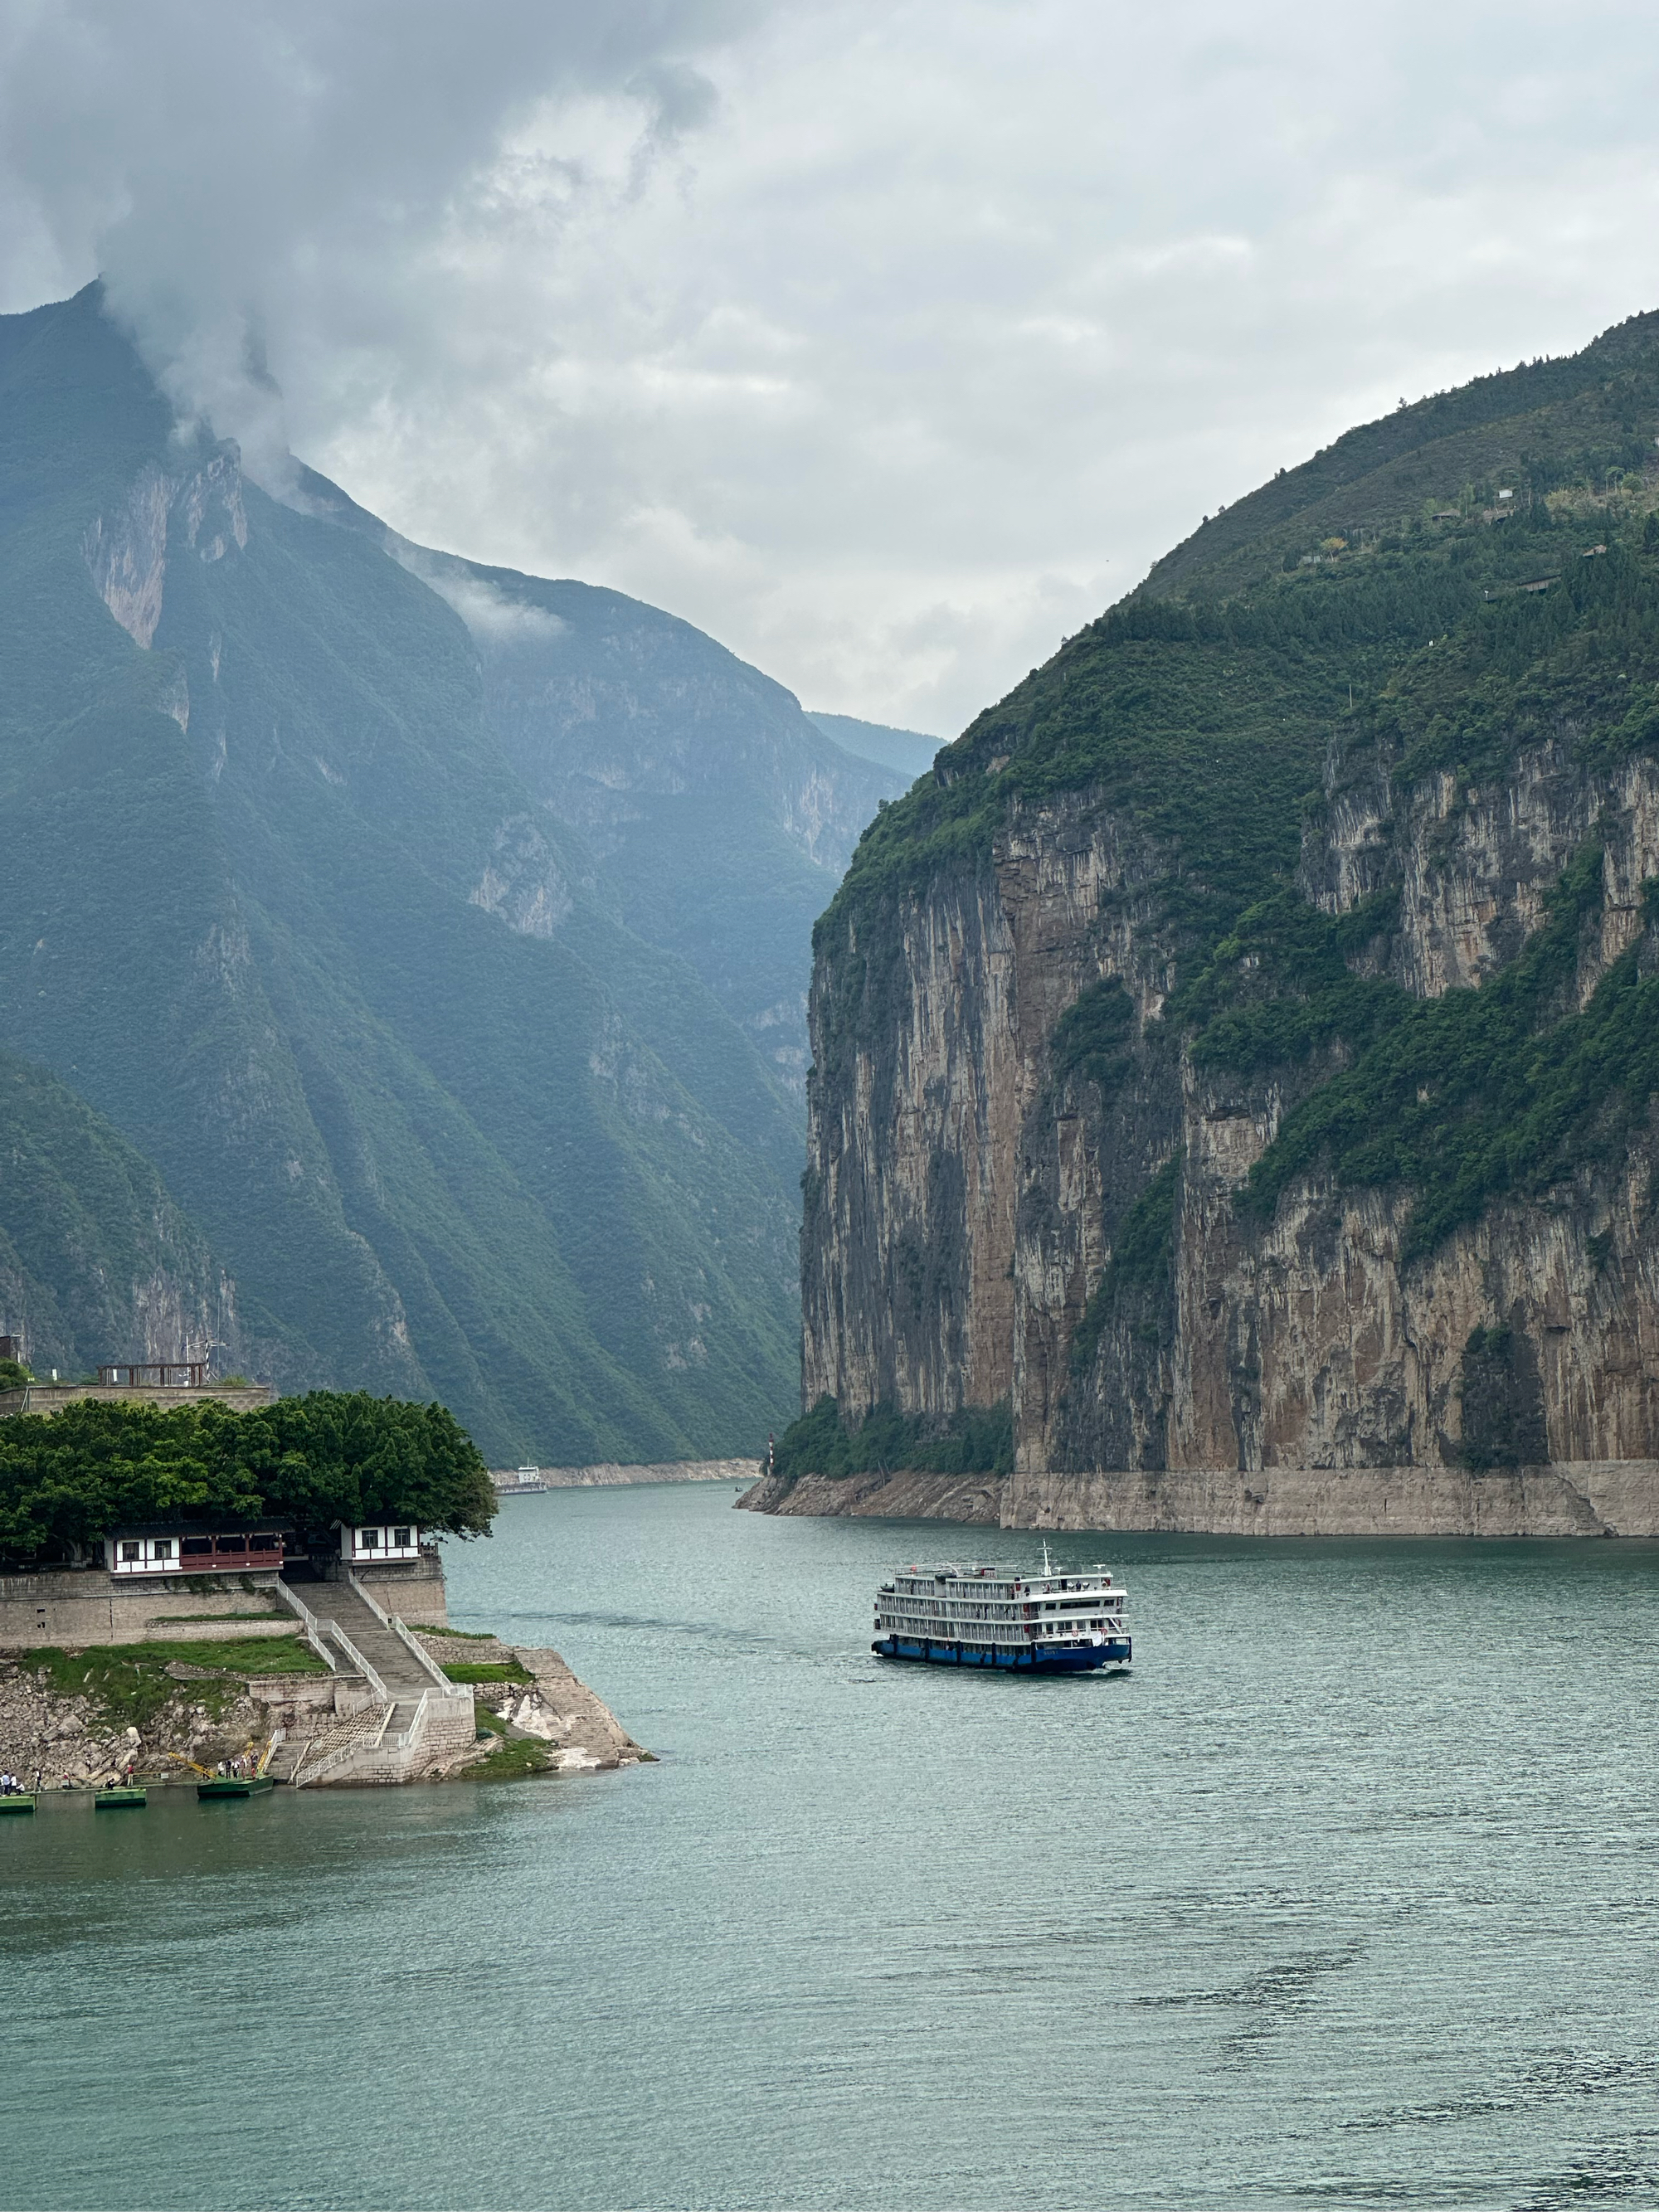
[929, 1636]
[936, 1609]
[907, 1623]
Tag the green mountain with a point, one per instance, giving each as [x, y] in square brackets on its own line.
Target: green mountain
[96, 1262]
[694, 798]
[908, 753]
[1289, 1106]
[277, 902]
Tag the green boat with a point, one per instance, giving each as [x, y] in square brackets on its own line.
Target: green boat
[17, 1800]
[121, 1801]
[235, 1785]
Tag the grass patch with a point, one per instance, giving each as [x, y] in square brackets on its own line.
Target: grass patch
[513, 1757]
[468, 1635]
[242, 1655]
[486, 1670]
[128, 1683]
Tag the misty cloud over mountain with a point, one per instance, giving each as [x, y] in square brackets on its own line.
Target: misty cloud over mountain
[887, 344]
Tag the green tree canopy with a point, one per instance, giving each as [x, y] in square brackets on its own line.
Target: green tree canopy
[68, 1478]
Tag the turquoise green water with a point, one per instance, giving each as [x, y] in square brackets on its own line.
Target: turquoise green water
[1348, 1896]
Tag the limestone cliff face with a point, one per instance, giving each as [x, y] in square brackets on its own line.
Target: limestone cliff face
[930, 1045]
[964, 1194]
[198, 511]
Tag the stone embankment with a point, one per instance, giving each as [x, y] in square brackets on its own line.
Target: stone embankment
[166, 1719]
[553, 1706]
[609, 1474]
[1580, 1497]
[904, 1497]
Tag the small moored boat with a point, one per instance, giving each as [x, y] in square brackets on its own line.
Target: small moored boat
[1062, 1621]
[123, 1799]
[17, 1800]
[235, 1785]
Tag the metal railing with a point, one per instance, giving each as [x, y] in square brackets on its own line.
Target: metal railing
[334, 1629]
[359, 1735]
[309, 1623]
[418, 1652]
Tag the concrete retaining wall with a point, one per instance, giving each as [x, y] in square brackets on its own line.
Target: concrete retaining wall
[411, 1589]
[52, 1397]
[89, 1605]
[220, 1631]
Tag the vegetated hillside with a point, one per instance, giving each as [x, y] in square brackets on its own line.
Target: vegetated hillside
[1239, 1053]
[277, 903]
[908, 753]
[96, 1262]
[696, 801]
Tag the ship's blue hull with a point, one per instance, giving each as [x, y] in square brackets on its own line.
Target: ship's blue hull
[1076, 1660]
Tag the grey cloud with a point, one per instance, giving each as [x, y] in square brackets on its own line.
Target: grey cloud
[888, 343]
[485, 609]
[279, 180]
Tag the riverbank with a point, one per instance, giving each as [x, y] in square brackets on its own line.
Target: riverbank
[1576, 1497]
[542, 1717]
[907, 1496]
[75, 1718]
[609, 1474]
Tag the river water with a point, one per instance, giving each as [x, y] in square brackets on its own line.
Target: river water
[1347, 1896]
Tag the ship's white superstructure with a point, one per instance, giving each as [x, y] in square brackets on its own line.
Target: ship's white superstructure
[1060, 1620]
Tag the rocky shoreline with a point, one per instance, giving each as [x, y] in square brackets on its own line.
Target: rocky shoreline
[583, 1736]
[169, 1721]
[972, 1499]
[1577, 1497]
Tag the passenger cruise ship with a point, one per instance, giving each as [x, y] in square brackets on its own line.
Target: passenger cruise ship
[1054, 1623]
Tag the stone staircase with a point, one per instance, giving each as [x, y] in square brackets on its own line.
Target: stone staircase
[288, 1755]
[417, 1719]
[362, 1634]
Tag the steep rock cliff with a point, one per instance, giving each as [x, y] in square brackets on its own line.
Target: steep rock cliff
[1240, 1054]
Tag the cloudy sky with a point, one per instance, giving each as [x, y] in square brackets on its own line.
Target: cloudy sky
[888, 340]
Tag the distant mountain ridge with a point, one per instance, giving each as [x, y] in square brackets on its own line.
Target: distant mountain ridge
[908, 753]
[280, 903]
[698, 800]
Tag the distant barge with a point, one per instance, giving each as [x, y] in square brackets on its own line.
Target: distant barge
[981, 1616]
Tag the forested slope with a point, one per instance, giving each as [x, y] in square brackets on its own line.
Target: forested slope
[688, 791]
[96, 1262]
[275, 901]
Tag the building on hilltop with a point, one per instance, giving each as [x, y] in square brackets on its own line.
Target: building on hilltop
[165, 1382]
